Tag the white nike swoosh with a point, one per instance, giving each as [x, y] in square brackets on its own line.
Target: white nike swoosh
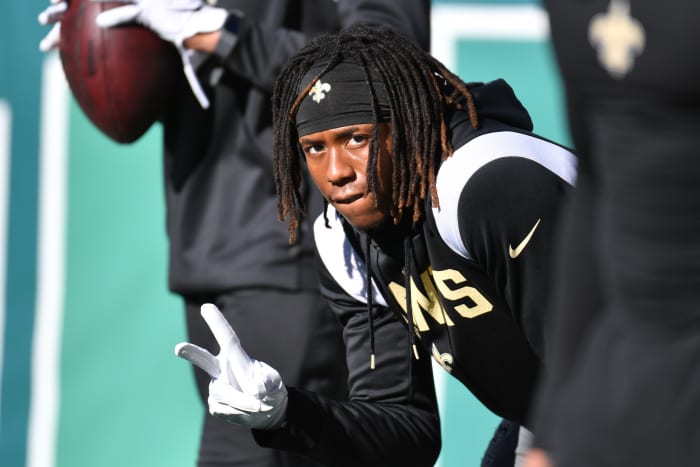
[514, 253]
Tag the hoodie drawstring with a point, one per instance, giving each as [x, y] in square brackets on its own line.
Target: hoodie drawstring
[370, 304]
[408, 259]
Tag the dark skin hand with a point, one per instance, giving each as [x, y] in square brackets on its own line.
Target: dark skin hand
[537, 458]
[204, 42]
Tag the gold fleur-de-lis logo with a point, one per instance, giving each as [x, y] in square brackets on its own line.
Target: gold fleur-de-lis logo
[618, 38]
[319, 90]
[444, 359]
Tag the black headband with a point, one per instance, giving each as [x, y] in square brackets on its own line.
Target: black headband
[340, 97]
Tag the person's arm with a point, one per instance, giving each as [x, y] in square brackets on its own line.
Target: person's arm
[256, 52]
[509, 215]
[408, 17]
[391, 418]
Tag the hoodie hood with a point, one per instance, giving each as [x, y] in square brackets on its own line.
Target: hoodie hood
[497, 108]
[496, 100]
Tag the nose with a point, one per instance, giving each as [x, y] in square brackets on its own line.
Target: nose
[339, 170]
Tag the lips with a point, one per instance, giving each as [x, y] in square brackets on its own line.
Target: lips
[347, 199]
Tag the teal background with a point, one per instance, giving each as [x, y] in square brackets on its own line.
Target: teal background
[123, 398]
[19, 84]
[134, 402]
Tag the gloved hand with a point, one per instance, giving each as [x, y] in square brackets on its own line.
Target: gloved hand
[243, 390]
[52, 15]
[174, 21]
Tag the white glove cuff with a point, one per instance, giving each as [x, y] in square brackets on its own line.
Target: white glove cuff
[192, 78]
[278, 415]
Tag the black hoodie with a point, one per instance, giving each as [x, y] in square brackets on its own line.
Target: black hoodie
[472, 276]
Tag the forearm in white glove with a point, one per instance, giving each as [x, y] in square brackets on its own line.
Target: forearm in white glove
[174, 21]
[243, 390]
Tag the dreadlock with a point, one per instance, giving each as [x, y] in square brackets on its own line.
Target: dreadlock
[419, 89]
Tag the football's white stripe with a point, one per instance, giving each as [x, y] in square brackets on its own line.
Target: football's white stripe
[5, 145]
[46, 344]
[456, 171]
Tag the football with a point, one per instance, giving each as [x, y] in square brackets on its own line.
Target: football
[121, 76]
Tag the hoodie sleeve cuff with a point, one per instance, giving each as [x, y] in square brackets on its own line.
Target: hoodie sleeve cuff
[294, 434]
[229, 35]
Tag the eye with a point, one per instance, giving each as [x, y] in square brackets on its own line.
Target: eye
[313, 149]
[357, 140]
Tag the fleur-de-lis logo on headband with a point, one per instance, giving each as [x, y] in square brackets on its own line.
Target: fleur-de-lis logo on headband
[319, 90]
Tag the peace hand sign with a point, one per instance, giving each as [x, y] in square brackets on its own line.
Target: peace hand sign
[243, 390]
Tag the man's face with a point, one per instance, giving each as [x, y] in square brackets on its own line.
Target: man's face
[337, 162]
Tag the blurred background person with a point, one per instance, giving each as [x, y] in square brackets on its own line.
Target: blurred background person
[225, 241]
[624, 388]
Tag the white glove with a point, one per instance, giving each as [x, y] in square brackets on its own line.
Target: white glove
[243, 390]
[174, 21]
[52, 15]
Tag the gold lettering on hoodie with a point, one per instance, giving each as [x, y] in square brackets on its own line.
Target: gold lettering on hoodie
[434, 283]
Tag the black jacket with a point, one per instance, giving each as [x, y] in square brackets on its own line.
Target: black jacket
[478, 269]
[219, 188]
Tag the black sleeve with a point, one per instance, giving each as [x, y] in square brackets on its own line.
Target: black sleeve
[408, 17]
[503, 202]
[258, 52]
[391, 418]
